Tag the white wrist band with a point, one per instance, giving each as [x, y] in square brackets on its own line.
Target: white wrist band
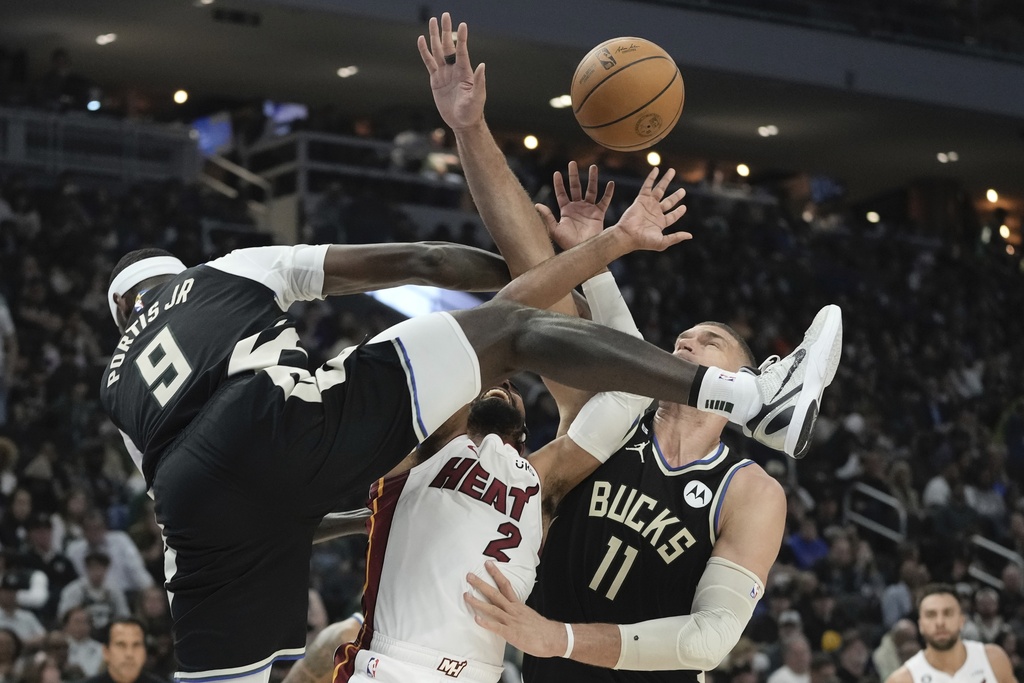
[571, 641]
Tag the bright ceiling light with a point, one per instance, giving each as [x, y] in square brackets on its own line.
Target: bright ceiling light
[94, 105]
[653, 158]
[205, 2]
[106, 38]
[1010, 250]
[530, 142]
[180, 97]
[942, 157]
[767, 131]
[1004, 231]
[873, 217]
[561, 102]
[807, 215]
[953, 156]
[743, 170]
[992, 196]
[347, 71]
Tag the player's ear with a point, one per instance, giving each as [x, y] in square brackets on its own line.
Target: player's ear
[124, 307]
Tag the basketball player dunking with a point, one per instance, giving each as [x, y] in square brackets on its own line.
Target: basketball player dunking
[946, 657]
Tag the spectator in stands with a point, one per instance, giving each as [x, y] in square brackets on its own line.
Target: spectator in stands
[897, 646]
[9, 453]
[56, 647]
[127, 570]
[22, 622]
[124, 653]
[67, 522]
[145, 534]
[47, 476]
[823, 668]
[93, 592]
[40, 556]
[807, 546]
[12, 525]
[821, 622]
[764, 627]
[901, 486]
[790, 626]
[985, 495]
[1012, 595]
[899, 599]
[83, 651]
[11, 664]
[854, 658]
[8, 356]
[797, 662]
[986, 615]
[939, 488]
[956, 520]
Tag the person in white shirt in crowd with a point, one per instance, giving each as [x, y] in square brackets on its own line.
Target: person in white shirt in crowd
[986, 615]
[127, 570]
[93, 592]
[897, 646]
[22, 622]
[797, 662]
[83, 650]
[898, 598]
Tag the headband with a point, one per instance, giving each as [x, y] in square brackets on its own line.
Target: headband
[139, 271]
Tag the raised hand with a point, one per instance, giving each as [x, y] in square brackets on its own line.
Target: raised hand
[651, 213]
[459, 91]
[581, 216]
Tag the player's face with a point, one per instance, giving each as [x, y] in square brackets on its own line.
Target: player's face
[940, 621]
[709, 345]
[499, 409]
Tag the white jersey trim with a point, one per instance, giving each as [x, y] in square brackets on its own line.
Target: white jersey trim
[238, 672]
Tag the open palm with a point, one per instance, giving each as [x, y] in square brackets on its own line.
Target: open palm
[459, 91]
[651, 213]
[581, 216]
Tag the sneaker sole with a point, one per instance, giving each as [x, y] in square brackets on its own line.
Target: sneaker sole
[822, 362]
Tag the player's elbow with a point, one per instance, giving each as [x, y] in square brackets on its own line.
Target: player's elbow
[430, 264]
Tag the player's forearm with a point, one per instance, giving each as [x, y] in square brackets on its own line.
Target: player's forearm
[338, 524]
[506, 209]
[596, 644]
[549, 282]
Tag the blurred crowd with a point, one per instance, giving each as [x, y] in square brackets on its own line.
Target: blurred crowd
[921, 435]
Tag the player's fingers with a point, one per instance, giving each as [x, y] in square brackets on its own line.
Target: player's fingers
[670, 201]
[575, 190]
[447, 44]
[560, 196]
[591, 195]
[488, 591]
[606, 200]
[649, 181]
[662, 185]
[550, 223]
[676, 238]
[504, 585]
[462, 46]
[435, 43]
[674, 215]
[428, 59]
[493, 626]
[480, 77]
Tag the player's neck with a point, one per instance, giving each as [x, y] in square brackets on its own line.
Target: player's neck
[686, 434]
[948, 661]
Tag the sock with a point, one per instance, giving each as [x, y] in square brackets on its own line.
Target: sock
[732, 395]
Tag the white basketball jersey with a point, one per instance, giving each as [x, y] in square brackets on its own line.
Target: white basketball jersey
[465, 505]
[976, 668]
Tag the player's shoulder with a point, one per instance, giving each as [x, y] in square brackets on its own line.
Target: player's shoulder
[996, 655]
[751, 482]
[900, 675]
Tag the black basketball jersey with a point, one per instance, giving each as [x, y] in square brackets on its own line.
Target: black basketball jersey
[186, 336]
[627, 545]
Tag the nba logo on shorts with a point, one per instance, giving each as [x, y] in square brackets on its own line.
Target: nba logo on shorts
[371, 667]
[754, 591]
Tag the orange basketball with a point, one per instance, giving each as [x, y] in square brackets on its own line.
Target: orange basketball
[627, 94]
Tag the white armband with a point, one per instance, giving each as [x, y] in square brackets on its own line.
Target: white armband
[699, 641]
[606, 421]
[607, 306]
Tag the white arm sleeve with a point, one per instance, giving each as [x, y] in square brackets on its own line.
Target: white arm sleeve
[722, 607]
[292, 273]
[607, 306]
[607, 420]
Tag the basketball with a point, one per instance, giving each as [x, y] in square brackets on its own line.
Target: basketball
[627, 94]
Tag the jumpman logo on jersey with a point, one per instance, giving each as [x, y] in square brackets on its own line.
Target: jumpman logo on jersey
[639, 448]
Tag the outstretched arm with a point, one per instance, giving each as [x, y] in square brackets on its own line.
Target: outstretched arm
[354, 269]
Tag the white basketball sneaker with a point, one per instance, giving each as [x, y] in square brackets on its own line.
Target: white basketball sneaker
[791, 388]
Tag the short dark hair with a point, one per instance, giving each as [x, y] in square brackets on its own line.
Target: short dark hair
[134, 257]
[748, 355]
[937, 589]
[122, 621]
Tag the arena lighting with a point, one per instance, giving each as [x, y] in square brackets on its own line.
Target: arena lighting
[94, 105]
[530, 142]
[986, 235]
[347, 71]
[767, 131]
[1004, 231]
[1010, 250]
[953, 156]
[205, 2]
[992, 196]
[942, 157]
[180, 97]
[561, 102]
[743, 170]
[653, 158]
[106, 38]
[873, 217]
[808, 216]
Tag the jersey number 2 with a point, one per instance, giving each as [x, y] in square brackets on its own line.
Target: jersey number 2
[163, 366]
[497, 547]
